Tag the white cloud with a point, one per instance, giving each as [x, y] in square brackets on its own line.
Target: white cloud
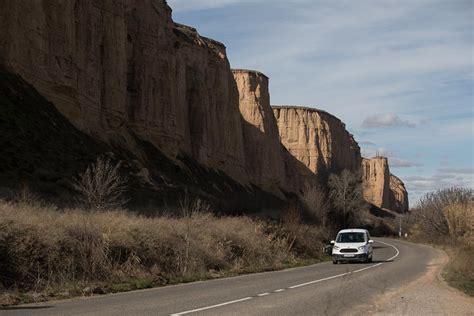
[457, 170]
[386, 120]
[403, 163]
[367, 143]
[411, 60]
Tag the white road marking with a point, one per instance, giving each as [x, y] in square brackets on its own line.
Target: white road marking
[212, 306]
[297, 285]
[350, 272]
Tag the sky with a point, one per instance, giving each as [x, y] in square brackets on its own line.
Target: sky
[400, 74]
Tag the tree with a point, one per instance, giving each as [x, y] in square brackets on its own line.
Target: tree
[316, 203]
[345, 192]
[101, 185]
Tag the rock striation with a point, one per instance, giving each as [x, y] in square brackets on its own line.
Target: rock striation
[121, 68]
[263, 151]
[381, 188]
[317, 139]
[376, 181]
[398, 195]
[124, 74]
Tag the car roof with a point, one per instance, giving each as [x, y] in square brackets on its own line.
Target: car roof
[353, 230]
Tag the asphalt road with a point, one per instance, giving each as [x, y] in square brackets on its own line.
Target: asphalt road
[321, 289]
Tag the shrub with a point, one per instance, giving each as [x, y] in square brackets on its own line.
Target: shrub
[101, 186]
[460, 219]
[429, 215]
[43, 247]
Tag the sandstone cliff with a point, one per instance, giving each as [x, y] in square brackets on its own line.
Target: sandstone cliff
[263, 151]
[317, 139]
[121, 68]
[381, 188]
[398, 195]
[376, 181]
[126, 75]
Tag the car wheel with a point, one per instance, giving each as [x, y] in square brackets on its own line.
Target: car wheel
[369, 260]
[334, 262]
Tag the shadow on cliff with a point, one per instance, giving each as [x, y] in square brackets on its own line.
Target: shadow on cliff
[40, 148]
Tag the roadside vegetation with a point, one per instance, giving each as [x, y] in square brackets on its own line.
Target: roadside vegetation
[48, 252]
[100, 247]
[446, 218]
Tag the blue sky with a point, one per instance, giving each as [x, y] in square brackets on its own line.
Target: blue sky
[400, 74]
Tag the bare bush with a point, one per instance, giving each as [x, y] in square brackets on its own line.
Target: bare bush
[316, 203]
[291, 222]
[191, 208]
[347, 196]
[429, 214]
[101, 186]
[26, 196]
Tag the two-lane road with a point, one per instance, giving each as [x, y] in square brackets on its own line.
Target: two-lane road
[321, 289]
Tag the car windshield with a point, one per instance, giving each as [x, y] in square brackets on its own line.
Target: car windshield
[351, 237]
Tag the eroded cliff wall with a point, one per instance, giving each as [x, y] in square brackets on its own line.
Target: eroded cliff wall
[317, 139]
[381, 188]
[116, 68]
[123, 72]
[376, 181]
[398, 195]
[263, 151]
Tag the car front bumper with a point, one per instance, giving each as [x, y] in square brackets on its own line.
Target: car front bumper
[350, 257]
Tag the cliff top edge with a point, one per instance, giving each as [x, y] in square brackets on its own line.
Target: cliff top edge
[250, 71]
[192, 32]
[303, 107]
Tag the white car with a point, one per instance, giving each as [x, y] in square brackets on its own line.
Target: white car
[352, 245]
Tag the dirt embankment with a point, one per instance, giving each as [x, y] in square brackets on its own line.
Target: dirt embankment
[428, 295]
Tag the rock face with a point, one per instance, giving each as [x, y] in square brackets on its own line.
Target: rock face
[398, 195]
[376, 181]
[263, 151]
[317, 139]
[116, 68]
[381, 188]
[125, 74]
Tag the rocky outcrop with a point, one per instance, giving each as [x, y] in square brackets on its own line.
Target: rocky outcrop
[263, 151]
[376, 181]
[398, 195]
[381, 188]
[317, 139]
[121, 68]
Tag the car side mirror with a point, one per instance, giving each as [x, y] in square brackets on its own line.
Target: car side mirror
[332, 242]
[371, 241]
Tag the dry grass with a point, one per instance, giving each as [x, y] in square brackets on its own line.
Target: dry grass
[460, 270]
[446, 218]
[460, 219]
[45, 250]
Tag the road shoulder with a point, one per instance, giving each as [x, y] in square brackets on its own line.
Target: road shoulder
[427, 295]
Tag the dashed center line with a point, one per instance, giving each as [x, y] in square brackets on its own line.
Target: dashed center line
[294, 286]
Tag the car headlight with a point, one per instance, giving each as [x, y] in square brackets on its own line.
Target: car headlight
[362, 248]
[335, 247]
